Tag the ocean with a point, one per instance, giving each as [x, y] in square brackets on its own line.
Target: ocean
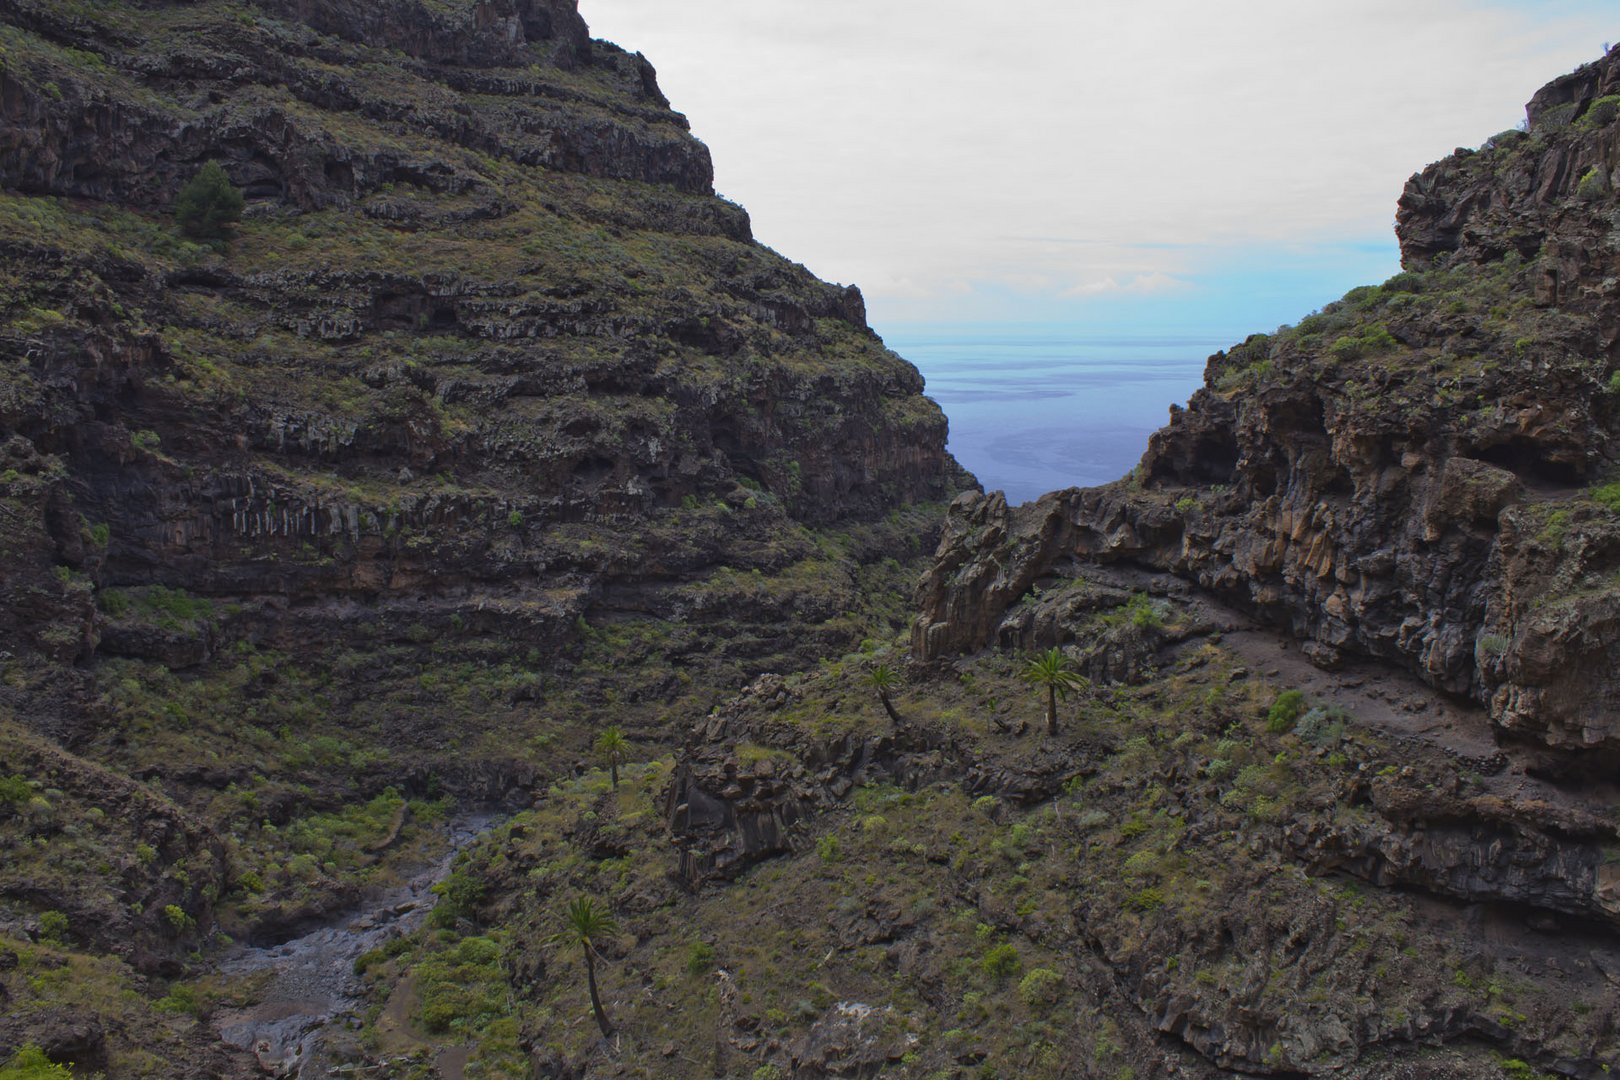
[1033, 410]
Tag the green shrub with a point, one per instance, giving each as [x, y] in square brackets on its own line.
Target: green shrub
[1608, 495]
[1490, 646]
[209, 204]
[463, 987]
[827, 847]
[1322, 726]
[177, 918]
[699, 958]
[1145, 613]
[1368, 343]
[1600, 112]
[181, 999]
[1285, 711]
[15, 789]
[458, 894]
[1559, 116]
[1406, 281]
[30, 1063]
[53, 927]
[1041, 988]
[1594, 184]
[1146, 900]
[1001, 962]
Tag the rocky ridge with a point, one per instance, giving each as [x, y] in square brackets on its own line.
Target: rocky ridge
[1417, 473]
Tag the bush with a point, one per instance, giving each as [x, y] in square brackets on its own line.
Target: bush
[209, 204]
[183, 1000]
[462, 987]
[53, 927]
[1285, 711]
[1002, 962]
[1608, 495]
[699, 958]
[1145, 614]
[1322, 726]
[1594, 184]
[1370, 342]
[1406, 281]
[30, 1063]
[459, 893]
[15, 789]
[1601, 112]
[177, 918]
[1041, 988]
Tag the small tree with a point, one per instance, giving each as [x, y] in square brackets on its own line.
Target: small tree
[1054, 671]
[614, 749]
[884, 679]
[584, 924]
[209, 204]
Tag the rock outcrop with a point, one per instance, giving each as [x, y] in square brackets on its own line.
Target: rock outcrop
[1415, 474]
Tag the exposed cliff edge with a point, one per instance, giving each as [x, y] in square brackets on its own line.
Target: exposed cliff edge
[1418, 473]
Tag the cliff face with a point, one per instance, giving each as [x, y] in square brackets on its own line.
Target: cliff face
[484, 331]
[490, 425]
[1418, 473]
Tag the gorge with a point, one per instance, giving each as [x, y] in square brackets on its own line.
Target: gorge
[491, 428]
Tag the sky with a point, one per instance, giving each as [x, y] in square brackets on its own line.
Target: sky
[1113, 165]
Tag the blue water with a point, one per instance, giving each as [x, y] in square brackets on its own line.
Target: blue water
[1034, 410]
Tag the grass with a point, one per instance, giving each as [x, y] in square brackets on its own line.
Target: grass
[982, 893]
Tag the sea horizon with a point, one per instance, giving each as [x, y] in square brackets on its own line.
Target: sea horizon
[1035, 408]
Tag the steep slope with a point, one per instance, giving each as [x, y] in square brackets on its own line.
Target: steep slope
[489, 426]
[1416, 488]
[1281, 829]
[1417, 473]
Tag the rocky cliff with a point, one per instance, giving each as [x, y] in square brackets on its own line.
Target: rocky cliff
[1419, 473]
[486, 348]
[489, 424]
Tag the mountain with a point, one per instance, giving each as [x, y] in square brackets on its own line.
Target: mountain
[489, 425]
[486, 524]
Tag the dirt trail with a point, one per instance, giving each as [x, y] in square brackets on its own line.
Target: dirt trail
[1399, 706]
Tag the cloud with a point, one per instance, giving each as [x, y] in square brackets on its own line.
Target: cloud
[1141, 284]
[909, 144]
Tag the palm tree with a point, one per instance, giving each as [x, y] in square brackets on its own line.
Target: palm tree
[883, 679]
[584, 924]
[1054, 671]
[614, 748]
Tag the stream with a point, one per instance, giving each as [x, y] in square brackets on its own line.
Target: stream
[312, 976]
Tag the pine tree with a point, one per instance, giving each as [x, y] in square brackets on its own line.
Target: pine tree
[209, 204]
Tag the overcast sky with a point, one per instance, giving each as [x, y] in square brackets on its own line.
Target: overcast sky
[1109, 163]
